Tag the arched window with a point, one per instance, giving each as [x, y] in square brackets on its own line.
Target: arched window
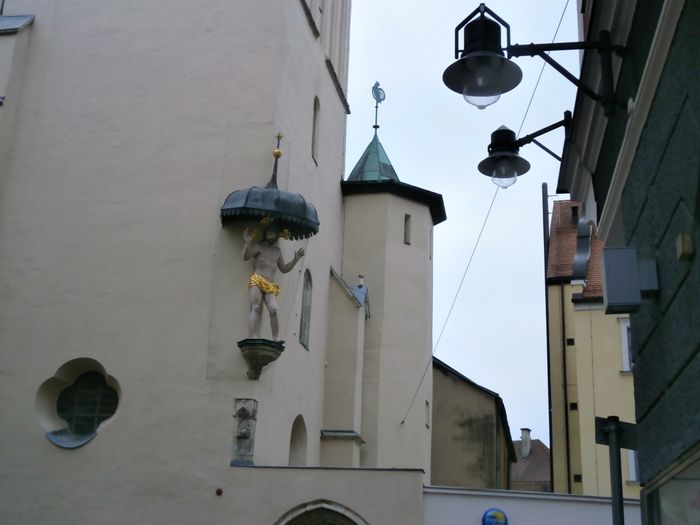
[322, 515]
[321, 511]
[304, 323]
[297, 443]
[314, 130]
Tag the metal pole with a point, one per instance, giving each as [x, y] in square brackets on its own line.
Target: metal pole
[613, 429]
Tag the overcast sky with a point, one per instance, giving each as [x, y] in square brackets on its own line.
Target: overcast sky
[496, 333]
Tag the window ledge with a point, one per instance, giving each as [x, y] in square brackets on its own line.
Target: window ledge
[64, 438]
[9, 25]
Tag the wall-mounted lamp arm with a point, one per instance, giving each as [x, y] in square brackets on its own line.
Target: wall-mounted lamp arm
[545, 148]
[565, 123]
[604, 48]
[565, 72]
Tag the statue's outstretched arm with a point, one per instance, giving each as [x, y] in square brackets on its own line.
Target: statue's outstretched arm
[287, 266]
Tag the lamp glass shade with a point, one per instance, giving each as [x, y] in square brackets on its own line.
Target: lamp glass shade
[481, 102]
[504, 166]
[482, 74]
[503, 173]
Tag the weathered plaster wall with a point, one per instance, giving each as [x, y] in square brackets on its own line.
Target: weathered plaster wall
[468, 442]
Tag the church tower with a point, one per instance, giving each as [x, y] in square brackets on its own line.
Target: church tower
[388, 233]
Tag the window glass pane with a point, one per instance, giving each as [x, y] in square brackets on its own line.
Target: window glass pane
[678, 500]
[86, 403]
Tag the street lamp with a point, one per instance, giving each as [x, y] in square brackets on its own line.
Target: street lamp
[504, 165]
[482, 73]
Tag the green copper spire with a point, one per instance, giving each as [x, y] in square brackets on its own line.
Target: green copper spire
[374, 164]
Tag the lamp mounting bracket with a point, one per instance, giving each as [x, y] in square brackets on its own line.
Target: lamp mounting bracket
[605, 50]
[532, 137]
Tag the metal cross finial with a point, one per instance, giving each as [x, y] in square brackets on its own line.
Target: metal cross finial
[379, 96]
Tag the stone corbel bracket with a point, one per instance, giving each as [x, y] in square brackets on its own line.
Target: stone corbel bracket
[259, 353]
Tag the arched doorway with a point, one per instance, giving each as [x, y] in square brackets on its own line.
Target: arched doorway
[321, 512]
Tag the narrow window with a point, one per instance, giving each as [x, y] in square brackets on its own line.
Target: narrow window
[626, 345]
[407, 229]
[314, 131]
[632, 466]
[427, 414]
[305, 311]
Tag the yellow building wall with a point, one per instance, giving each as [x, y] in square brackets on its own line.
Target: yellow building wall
[562, 369]
[595, 386]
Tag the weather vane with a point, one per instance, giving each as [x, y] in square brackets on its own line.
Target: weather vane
[379, 96]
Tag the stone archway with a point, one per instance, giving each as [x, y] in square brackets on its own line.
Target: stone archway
[321, 512]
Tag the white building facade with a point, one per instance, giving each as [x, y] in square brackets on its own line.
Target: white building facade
[124, 395]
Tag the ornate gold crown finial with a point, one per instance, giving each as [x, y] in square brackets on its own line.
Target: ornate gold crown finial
[277, 152]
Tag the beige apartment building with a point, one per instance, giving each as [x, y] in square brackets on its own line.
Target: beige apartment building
[590, 368]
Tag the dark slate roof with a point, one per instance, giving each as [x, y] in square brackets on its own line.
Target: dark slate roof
[431, 199]
[374, 164]
[533, 468]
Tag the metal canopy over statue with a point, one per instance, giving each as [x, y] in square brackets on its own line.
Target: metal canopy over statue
[281, 214]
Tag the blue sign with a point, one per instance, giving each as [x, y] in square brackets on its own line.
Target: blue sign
[494, 517]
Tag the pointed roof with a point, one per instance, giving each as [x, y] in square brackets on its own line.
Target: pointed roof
[374, 164]
[374, 173]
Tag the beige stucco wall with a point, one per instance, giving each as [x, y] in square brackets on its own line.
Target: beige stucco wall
[13, 63]
[131, 125]
[343, 376]
[248, 495]
[398, 333]
[596, 383]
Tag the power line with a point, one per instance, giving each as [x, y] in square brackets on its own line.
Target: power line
[544, 64]
[481, 231]
[469, 263]
[461, 282]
